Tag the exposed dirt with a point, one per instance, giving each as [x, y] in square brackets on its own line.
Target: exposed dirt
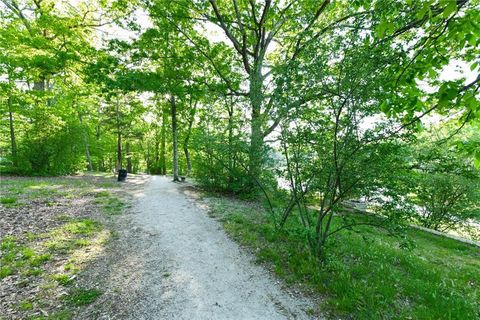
[172, 261]
[27, 222]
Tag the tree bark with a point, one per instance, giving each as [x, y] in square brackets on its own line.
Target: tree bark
[129, 159]
[119, 138]
[163, 136]
[256, 135]
[13, 141]
[87, 147]
[187, 138]
[174, 138]
[157, 149]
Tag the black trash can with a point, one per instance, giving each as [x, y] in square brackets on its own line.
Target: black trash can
[122, 175]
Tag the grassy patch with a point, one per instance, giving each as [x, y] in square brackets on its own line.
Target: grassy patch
[8, 200]
[80, 297]
[110, 205]
[368, 274]
[60, 315]
[63, 279]
[71, 235]
[25, 305]
[50, 255]
[16, 257]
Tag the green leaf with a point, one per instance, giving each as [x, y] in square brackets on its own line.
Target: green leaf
[474, 66]
[450, 8]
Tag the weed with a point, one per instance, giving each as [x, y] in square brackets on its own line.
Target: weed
[60, 315]
[9, 200]
[111, 205]
[80, 297]
[5, 271]
[102, 194]
[25, 305]
[63, 279]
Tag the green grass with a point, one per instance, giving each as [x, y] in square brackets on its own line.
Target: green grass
[63, 279]
[60, 315]
[110, 205]
[70, 236]
[80, 297]
[367, 274]
[25, 305]
[8, 200]
[16, 257]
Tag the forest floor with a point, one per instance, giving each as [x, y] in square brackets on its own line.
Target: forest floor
[87, 247]
[51, 229]
[68, 252]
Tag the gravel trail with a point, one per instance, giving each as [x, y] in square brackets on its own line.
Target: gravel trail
[175, 262]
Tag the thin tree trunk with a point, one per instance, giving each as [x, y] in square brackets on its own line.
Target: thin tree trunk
[256, 134]
[87, 154]
[187, 138]
[129, 159]
[119, 138]
[87, 148]
[157, 146]
[163, 136]
[230, 142]
[13, 141]
[174, 138]
[147, 156]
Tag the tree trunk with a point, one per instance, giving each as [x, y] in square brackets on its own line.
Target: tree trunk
[256, 135]
[231, 164]
[187, 138]
[87, 148]
[129, 155]
[13, 141]
[174, 138]
[163, 136]
[119, 138]
[157, 146]
[147, 158]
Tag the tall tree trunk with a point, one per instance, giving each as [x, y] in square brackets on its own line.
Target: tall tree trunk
[87, 147]
[129, 155]
[119, 137]
[157, 147]
[13, 141]
[187, 138]
[230, 140]
[256, 97]
[174, 138]
[147, 157]
[163, 137]
[87, 154]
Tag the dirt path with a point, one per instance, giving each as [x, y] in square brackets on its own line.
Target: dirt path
[174, 262]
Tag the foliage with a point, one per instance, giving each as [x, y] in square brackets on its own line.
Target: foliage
[304, 105]
[446, 200]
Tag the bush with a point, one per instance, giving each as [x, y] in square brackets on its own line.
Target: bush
[55, 150]
[446, 200]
